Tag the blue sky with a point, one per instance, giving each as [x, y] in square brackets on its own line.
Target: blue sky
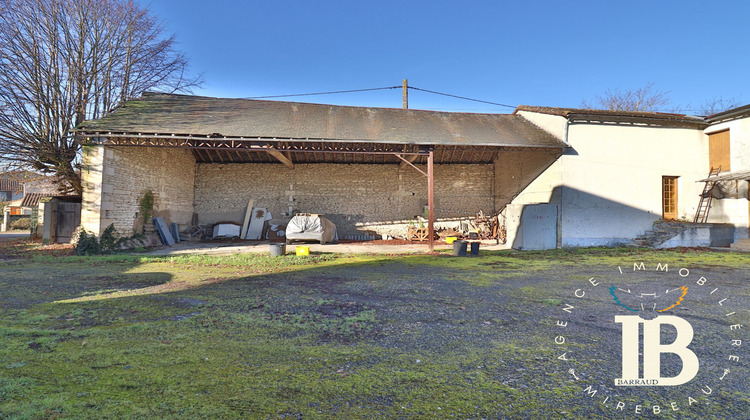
[551, 53]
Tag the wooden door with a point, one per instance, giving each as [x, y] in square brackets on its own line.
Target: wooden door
[669, 197]
[68, 218]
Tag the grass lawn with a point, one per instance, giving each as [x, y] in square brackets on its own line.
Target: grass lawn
[367, 336]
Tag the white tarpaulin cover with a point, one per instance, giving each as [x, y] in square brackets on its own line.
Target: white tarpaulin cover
[311, 227]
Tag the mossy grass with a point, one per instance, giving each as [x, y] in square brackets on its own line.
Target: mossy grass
[344, 336]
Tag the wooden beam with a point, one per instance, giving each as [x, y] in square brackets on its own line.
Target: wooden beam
[406, 161]
[412, 165]
[280, 157]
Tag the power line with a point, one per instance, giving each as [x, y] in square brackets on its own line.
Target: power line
[461, 97]
[380, 88]
[324, 93]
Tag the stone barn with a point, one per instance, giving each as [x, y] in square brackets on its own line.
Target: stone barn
[366, 169]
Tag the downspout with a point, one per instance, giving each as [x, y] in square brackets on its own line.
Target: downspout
[560, 207]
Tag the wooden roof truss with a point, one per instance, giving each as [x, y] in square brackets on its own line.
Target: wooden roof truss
[218, 149]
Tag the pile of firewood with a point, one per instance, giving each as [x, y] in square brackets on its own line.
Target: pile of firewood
[486, 227]
[482, 227]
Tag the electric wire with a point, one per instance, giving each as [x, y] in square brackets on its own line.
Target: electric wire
[460, 97]
[323, 93]
[381, 88]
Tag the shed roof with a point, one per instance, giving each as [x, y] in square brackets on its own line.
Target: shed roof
[732, 176]
[603, 114]
[11, 184]
[31, 199]
[244, 118]
[739, 112]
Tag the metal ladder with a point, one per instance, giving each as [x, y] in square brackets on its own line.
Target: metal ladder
[705, 203]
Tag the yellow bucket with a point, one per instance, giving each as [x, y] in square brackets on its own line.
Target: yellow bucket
[303, 250]
[450, 239]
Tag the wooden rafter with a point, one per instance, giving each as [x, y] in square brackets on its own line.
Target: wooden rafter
[406, 160]
[200, 153]
[281, 157]
[291, 151]
[461, 158]
[407, 163]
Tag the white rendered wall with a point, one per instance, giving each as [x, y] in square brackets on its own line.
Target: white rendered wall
[541, 190]
[613, 185]
[609, 185]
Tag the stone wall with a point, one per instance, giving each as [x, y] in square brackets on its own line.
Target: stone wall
[356, 198]
[116, 178]
[92, 170]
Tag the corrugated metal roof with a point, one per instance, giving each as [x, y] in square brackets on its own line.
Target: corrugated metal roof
[31, 199]
[732, 176]
[196, 115]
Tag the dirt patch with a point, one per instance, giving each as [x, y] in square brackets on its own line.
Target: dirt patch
[27, 248]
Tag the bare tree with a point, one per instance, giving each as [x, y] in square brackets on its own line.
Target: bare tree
[717, 105]
[65, 61]
[645, 99]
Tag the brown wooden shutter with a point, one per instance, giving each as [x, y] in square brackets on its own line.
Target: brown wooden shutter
[718, 150]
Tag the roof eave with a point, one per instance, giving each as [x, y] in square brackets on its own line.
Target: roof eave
[264, 140]
[609, 116]
[729, 114]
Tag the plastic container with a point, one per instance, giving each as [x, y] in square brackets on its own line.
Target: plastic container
[450, 239]
[459, 248]
[475, 249]
[302, 250]
[278, 250]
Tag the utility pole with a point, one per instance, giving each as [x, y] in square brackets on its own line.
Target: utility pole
[430, 181]
[406, 94]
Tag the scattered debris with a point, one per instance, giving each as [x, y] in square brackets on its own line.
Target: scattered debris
[311, 227]
[226, 230]
[248, 213]
[164, 234]
[256, 228]
[481, 227]
[174, 230]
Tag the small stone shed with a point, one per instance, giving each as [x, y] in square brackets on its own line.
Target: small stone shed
[364, 168]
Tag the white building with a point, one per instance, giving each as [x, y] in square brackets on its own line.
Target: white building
[626, 170]
[728, 137]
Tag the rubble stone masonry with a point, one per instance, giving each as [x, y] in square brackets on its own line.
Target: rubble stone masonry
[116, 178]
[355, 197]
